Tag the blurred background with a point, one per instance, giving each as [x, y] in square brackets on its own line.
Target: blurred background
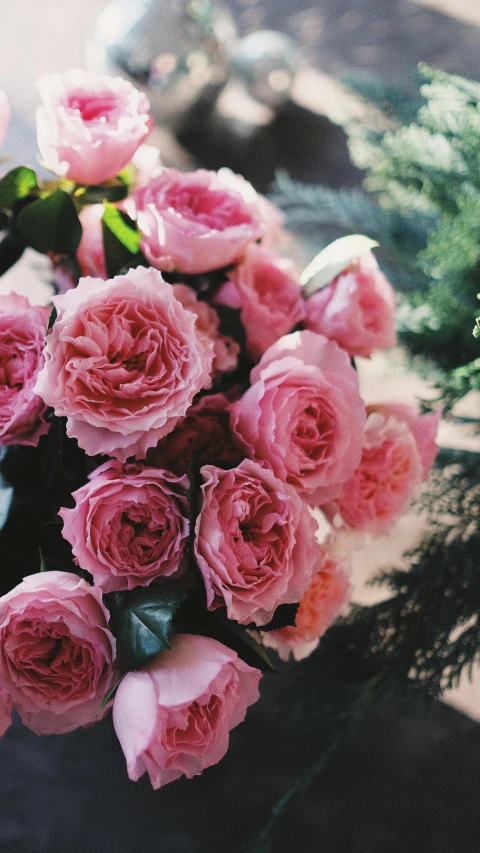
[225, 94]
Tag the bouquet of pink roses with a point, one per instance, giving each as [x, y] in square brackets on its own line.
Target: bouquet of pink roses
[184, 440]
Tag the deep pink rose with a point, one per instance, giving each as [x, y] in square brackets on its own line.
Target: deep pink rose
[424, 429]
[90, 253]
[191, 222]
[386, 479]
[266, 289]
[203, 434]
[173, 717]
[5, 710]
[22, 339]
[123, 363]
[56, 651]
[321, 603]
[303, 415]
[129, 526]
[357, 310]
[254, 542]
[90, 125]
[225, 349]
[4, 115]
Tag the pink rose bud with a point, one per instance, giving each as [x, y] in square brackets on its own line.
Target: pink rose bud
[4, 115]
[267, 290]
[225, 349]
[386, 479]
[90, 125]
[173, 717]
[303, 415]
[22, 339]
[191, 222]
[129, 526]
[90, 253]
[56, 651]
[323, 600]
[357, 309]
[203, 434]
[123, 363]
[254, 542]
[5, 710]
[424, 429]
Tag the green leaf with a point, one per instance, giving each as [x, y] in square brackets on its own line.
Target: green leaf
[16, 184]
[51, 224]
[142, 623]
[110, 191]
[238, 638]
[333, 260]
[43, 565]
[111, 693]
[6, 497]
[52, 318]
[121, 241]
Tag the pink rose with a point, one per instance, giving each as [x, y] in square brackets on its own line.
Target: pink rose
[254, 542]
[90, 125]
[423, 428]
[357, 309]
[191, 222]
[4, 115]
[203, 434]
[174, 716]
[268, 293]
[129, 526]
[22, 339]
[56, 651]
[386, 479]
[321, 603]
[272, 217]
[123, 363]
[90, 253]
[225, 349]
[303, 415]
[5, 710]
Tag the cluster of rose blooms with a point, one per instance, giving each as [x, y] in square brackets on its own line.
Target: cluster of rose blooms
[139, 366]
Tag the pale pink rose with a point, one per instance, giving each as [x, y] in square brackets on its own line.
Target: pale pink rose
[204, 435]
[90, 253]
[266, 289]
[225, 349]
[271, 215]
[129, 526]
[323, 600]
[22, 339]
[123, 363]
[191, 222]
[56, 651]
[424, 429]
[4, 115]
[386, 479]
[254, 542]
[357, 309]
[5, 710]
[173, 718]
[90, 125]
[303, 415]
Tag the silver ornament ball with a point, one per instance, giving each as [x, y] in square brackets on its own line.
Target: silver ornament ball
[177, 51]
[267, 62]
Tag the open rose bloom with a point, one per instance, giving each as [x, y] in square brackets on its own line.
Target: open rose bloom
[188, 421]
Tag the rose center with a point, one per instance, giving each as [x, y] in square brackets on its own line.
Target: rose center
[92, 107]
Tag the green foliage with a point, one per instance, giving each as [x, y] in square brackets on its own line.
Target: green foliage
[142, 623]
[421, 149]
[17, 184]
[50, 224]
[121, 241]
